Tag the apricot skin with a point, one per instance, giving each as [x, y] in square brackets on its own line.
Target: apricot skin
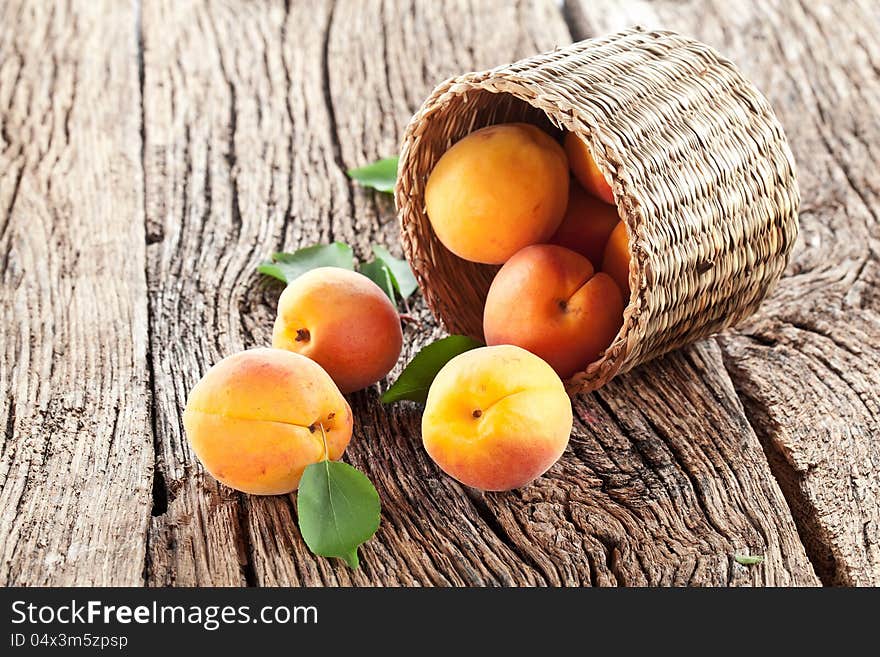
[615, 262]
[548, 300]
[254, 420]
[585, 170]
[586, 226]
[343, 321]
[496, 418]
[497, 190]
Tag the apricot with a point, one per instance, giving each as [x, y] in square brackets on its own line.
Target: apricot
[585, 170]
[496, 418]
[547, 299]
[343, 321]
[615, 262]
[255, 420]
[586, 225]
[497, 190]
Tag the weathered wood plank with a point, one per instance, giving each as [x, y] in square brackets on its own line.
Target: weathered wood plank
[277, 103]
[806, 366]
[211, 211]
[75, 468]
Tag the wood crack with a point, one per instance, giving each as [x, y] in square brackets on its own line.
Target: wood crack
[478, 502]
[9, 207]
[334, 126]
[804, 513]
[288, 107]
[684, 466]
[245, 544]
[159, 493]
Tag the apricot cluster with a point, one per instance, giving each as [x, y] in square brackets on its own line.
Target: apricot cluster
[505, 195]
[496, 417]
[258, 418]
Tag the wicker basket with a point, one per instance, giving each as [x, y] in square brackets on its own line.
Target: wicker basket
[700, 168]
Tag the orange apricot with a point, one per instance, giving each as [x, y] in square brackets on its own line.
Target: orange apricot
[586, 226]
[615, 262]
[497, 190]
[496, 418]
[258, 418]
[343, 321]
[547, 299]
[585, 170]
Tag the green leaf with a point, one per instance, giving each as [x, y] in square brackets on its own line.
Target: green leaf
[287, 266]
[269, 268]
[380, 175]
[401, 274]
[378, 272]
[338, 509]
[748, 559]
[417, 377]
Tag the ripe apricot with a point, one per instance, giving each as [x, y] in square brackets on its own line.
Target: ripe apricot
[615, 262]
[254, 420]
[585, 170]
[497, 190]
[547, 299]
[343, 321]
[586, 225]
[496, 418]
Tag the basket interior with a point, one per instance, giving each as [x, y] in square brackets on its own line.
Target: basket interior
[459, 287]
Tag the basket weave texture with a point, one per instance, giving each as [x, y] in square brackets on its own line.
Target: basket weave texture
[701, 172]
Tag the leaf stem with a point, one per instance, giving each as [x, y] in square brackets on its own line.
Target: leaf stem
[324, 440]
[407, 317]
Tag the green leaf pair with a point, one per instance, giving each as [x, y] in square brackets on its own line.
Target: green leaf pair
[391, 274]
[288, 266]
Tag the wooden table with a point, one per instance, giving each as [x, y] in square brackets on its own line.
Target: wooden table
[151, 156]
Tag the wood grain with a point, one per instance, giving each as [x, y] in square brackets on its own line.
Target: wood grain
[147, 166]
[642, 497]
[75, 467]
[806, 366]
[217, 152]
